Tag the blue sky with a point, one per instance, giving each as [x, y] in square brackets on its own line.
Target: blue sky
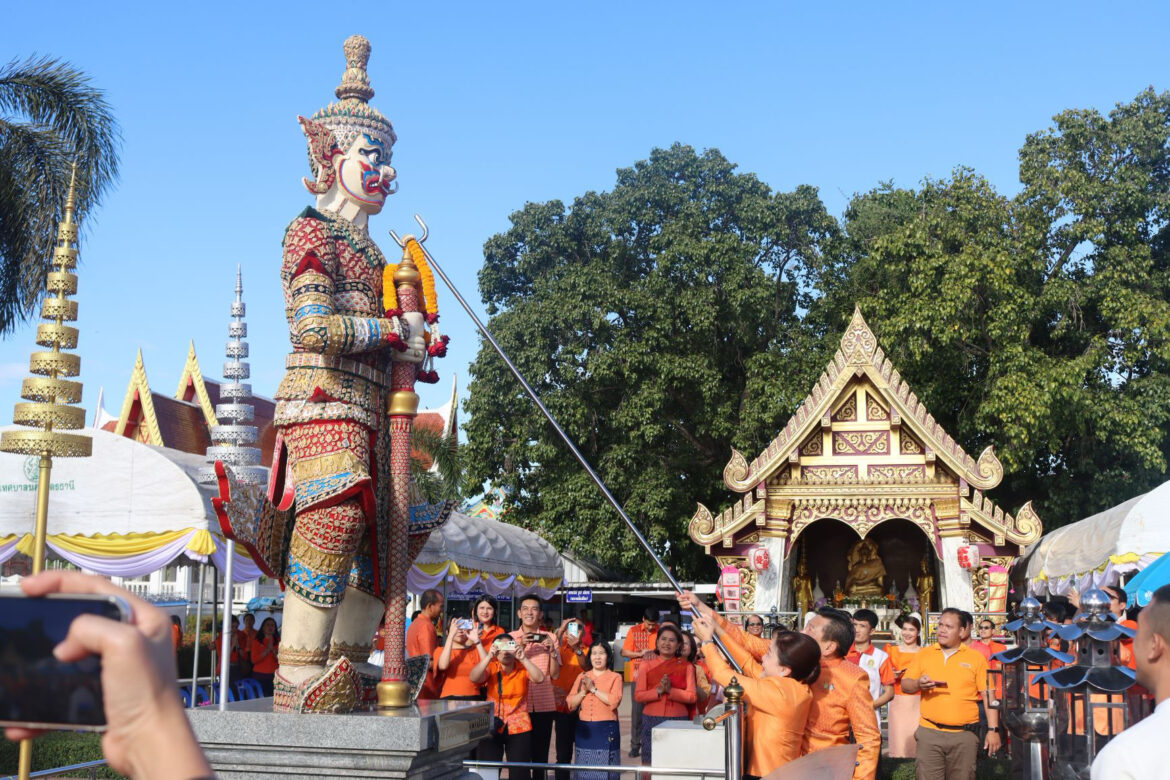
[499, 104]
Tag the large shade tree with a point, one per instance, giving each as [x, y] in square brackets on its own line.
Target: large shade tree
[659, 323]
[1037, 323]
[51, 119]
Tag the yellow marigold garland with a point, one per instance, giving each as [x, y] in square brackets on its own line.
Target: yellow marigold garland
[430, 303]
[389, 292]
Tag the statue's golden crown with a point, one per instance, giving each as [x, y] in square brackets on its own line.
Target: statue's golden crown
[352, 113]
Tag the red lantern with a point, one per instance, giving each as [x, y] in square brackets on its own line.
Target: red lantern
[969, 557]
[759, 559]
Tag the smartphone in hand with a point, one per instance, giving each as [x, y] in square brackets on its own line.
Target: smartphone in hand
[37, 690]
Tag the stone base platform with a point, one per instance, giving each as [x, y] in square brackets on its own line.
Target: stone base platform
[427, 741]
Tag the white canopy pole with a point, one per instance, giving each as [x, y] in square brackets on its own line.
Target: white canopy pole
[198, 625]
[225, 632]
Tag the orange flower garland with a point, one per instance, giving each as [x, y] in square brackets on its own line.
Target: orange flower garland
[430, 303]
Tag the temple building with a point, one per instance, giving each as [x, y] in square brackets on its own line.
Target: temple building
[863, 498]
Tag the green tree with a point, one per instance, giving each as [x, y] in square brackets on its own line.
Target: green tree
[434, 464]
[659, 322]
[1036, 323]
[50, 119]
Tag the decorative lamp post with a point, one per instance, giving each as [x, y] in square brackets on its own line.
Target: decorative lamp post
[1087, 705]
[50, 398]
[1024, 707]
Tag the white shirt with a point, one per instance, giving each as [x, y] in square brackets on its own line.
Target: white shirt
[1139, 752]
[871, 663]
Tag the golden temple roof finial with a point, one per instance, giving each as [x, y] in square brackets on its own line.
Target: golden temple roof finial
[355, 82]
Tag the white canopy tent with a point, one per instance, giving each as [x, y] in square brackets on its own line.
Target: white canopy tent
[479, 553]
[1100, 549]
[128, 510]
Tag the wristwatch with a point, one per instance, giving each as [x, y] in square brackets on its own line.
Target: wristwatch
[706, 642]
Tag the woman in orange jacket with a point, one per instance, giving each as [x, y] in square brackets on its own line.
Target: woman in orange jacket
[776, 690]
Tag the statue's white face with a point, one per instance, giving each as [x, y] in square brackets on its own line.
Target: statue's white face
[364, 175]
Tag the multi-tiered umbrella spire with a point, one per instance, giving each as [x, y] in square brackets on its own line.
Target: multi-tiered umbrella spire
[233, 439]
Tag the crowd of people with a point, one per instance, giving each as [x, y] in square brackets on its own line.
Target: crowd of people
[803, 692]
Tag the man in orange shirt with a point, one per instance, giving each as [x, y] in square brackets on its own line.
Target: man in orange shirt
[952, 679]
[422, 638]
[639, 641]
[841, 699]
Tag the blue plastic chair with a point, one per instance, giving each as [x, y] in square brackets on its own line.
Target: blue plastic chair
[253, 687]
[185, 695]
[201, 696]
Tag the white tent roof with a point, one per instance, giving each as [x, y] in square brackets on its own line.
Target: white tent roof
[1101, 548]
[128, 509]
[478, 552]
[124, 487]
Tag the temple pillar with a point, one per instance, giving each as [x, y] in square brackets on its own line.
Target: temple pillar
[955, 589]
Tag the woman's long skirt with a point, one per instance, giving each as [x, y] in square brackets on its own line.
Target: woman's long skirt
[648, 724]
[901, 724]
[597, 742]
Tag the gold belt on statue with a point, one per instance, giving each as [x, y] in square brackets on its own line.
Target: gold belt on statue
[349, 366]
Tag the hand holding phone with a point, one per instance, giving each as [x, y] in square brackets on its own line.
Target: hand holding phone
[147, 733]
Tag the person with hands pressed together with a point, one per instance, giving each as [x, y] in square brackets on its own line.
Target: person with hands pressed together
[841, 699]
[541, 649]
[453, 662]
[595, 698]
[147, 733]
[264, 654]
[666, 687]
[509, 675]
[776, 691]
[952, 679]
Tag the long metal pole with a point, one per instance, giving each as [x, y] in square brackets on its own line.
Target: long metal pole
[560, 431]
[40, 532]
[226, 637]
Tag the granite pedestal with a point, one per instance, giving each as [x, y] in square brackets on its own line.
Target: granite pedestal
[427, 741]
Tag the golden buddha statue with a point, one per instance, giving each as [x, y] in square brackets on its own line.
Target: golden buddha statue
[866, 570]
[802, 586]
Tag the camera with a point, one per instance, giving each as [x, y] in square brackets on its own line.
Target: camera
[37, 690]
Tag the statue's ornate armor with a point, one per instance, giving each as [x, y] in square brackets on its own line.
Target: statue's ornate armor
[330, 410]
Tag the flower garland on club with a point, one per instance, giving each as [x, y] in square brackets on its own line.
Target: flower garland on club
[436, 342]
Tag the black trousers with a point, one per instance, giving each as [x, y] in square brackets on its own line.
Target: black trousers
[542, 725]
[515, 747]
[566, 725]
[635, 720]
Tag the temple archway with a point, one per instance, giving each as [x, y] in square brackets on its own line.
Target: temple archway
[902, 548]
[863, 452]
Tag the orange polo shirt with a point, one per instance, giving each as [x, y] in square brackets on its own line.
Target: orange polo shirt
[422, 639]
[489, 635]
[841, 702]
[509, 693]
[778, 708]
[456, 680]
[638, 640]
[965, 673]
[673, 703]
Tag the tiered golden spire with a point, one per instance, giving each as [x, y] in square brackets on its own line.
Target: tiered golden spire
[49, 396]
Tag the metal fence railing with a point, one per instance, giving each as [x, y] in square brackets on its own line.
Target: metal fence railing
[92, 766]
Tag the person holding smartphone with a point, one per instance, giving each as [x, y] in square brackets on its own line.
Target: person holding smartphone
[903, 711]
[508, 674]
[574, 661]
[540, 648]
[147, 733]
[454, 661]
